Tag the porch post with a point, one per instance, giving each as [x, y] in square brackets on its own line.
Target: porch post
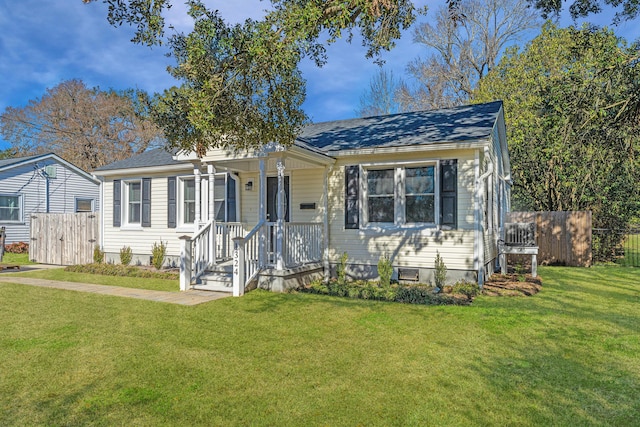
[262, 191]
[325, 225]
[185, 263]
[196, 222]
[281, 214]
[211, 171]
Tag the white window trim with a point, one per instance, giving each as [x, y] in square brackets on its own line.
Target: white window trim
[205, 215]
[20, 206]
[180, 180]
[399, 195]
[124, 208]
[91, 199]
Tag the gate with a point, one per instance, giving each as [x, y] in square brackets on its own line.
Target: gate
[619, 246]
[63, 239]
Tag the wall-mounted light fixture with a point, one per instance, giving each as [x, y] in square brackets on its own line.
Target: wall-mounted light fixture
[248, 186]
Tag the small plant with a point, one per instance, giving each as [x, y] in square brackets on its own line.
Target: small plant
[440, 275]
[466, 288]
[98, 255]
[126, 255]
[158, 253]
[519, 268]
[385, 270]
[341, 270]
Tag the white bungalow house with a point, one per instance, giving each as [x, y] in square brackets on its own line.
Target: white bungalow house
[407, 186]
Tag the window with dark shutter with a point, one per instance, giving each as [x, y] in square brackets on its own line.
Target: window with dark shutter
[117, 203]
[146, 202]
[171, 202]
[449, 193]
[352, 205]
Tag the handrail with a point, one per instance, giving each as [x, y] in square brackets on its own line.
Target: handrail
[202, 248]
[249, 257]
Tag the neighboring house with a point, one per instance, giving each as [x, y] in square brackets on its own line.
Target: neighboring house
[42, 183]
[407, 186]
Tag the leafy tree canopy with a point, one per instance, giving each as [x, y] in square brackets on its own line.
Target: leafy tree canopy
[570, 98]
[625, 9]
[240, 84]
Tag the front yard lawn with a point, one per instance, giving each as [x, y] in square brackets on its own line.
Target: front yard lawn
[569, 355]
[99, 279]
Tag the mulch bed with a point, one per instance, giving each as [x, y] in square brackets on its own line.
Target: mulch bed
[512, 285]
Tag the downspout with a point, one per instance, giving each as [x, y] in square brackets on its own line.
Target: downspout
[479, 235]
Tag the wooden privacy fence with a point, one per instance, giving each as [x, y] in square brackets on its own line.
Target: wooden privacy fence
[562, 237]
[63, 239]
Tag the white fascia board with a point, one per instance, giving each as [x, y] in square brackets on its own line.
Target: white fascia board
[56, 158]
[146, 170]
[412, 148]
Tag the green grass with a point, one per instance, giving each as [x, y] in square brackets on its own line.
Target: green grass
[16, 259]
[568, 356]
[127, 282]
[631, 251]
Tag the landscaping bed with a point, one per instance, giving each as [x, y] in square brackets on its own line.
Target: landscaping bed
[512, 285]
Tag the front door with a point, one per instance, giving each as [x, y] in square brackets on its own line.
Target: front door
[272, 198]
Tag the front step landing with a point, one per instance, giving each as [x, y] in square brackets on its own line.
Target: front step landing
[220, 279]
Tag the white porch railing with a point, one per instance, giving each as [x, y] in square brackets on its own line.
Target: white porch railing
[249, 257]
[225, 233]
[302, 243]
[196, 254]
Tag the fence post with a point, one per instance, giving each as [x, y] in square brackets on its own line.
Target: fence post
[185, 262]
[238, 266]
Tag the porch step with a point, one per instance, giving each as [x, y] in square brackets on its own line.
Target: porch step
[220, 279]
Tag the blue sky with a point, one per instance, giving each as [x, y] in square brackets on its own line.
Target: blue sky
[43, 42]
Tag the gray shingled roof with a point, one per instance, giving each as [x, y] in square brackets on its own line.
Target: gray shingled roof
[157, 157]
[9, 162]
[466, 123]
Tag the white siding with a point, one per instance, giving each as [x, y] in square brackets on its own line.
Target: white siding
[411, 246]
[141, 239]
[27, 182]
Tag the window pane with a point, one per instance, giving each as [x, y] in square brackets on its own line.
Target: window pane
[9, 208]
[219, 210]
[381, 209]
[380, 182]
[419, 180]
[219, 188]
[189, 212]
[420, 209]
[189, 189]
[134, 192]
[84, 205]
[134, 213]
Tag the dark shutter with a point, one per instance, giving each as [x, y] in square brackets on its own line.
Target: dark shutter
[449, 193]
[231, 199]
[146, 202]
[117, 203]
[352, 197]
[171, 202]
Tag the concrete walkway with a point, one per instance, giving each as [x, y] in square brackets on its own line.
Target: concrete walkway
[192, 297]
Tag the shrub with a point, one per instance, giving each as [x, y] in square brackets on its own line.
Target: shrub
[440, 275]
[126, 255]
[341, 270]
[121, 270]
[17, 248]
[385, 270]
[98, 255]
[466, 288]
[158, 253]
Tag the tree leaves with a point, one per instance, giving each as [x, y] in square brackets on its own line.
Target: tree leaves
[572, 132]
